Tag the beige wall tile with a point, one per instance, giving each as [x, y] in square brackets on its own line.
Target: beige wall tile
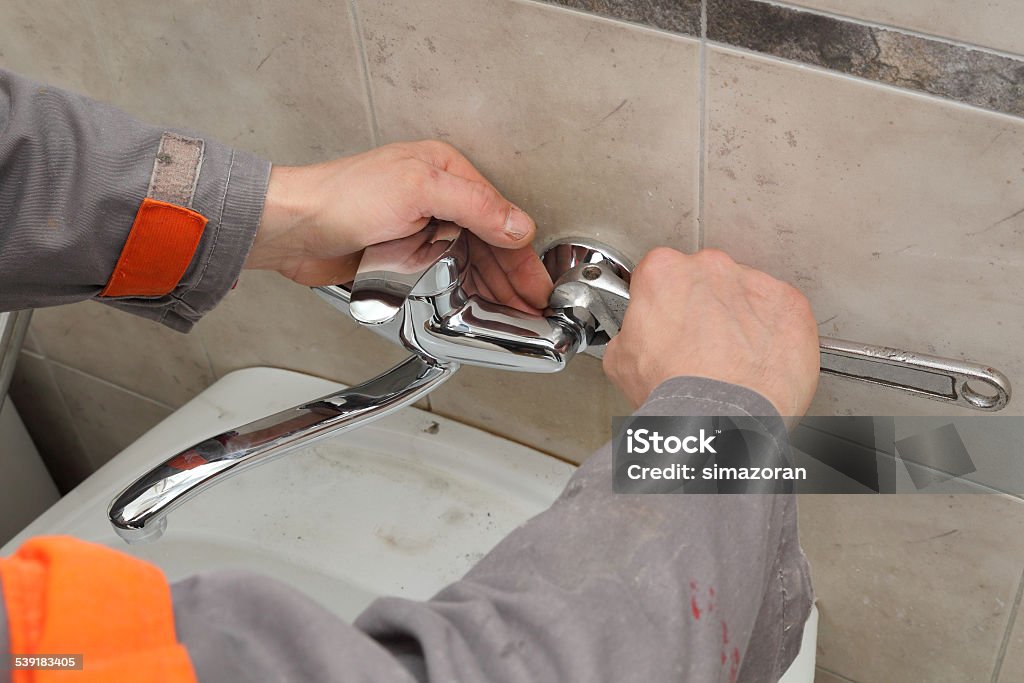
[132, 352]
[1013, 665]
[822, 676]
[912, 588]
[283, 80]
[590, 126]
[48, 421]
[30, 343]
[107, 418]
[567, 414]
[993, 23]
[897, 214]
[269, 320]
[52, 41]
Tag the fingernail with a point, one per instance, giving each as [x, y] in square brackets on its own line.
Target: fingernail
[517, 224]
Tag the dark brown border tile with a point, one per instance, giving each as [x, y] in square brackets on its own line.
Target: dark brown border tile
[678, 16]
[909, 61]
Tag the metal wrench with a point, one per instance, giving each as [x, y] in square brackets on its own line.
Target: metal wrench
[971, 385]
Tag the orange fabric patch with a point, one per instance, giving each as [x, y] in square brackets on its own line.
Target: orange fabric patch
[160, 246]
[66, 596]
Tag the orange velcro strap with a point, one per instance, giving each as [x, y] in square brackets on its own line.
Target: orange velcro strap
[161, 244]
[69, 597]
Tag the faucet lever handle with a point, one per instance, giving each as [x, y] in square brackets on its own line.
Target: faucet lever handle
[427, 263]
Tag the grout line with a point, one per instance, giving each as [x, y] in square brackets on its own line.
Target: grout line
[108, 383]
[206, 354]
[702, 134]
[797, 64]
[357, 29]
[1004, 646]
[40, 351]
[68, 416]
[897, 29]
[841, 677]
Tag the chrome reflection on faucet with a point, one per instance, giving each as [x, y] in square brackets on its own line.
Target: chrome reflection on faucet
[420, 292]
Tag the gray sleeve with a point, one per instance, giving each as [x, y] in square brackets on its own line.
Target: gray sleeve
[73, 173]
[600, 587]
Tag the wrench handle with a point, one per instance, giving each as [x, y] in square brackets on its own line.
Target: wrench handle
[971, 385]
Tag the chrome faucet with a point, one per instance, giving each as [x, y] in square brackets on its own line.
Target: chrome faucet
[423, 293]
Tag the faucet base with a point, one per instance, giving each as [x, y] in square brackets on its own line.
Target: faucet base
[591, 283]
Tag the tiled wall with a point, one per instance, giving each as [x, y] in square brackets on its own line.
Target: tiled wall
[875, 160]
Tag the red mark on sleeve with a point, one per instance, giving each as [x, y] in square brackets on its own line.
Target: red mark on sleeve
[734, 668]
[694, 607]
[699, 603]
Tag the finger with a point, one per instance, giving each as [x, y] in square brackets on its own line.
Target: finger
[521, 268]
[480, 282]
[527, 274]
[493, 276]
[447, 158]
[477, 206]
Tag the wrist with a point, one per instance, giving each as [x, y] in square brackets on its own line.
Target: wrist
[288, 212]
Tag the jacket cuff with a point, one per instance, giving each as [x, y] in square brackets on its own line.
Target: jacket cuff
[230, 192]
[706, 397]
[703, 397]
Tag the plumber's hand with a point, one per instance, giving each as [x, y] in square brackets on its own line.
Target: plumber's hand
[706, 315]
[317, 219]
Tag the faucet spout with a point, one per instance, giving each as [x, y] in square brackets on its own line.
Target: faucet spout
[140, 512]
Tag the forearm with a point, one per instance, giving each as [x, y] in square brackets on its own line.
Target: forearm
[607, 587]
[600, 587]
[73, 173]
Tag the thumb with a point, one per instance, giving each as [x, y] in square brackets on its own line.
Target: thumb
[479, 208]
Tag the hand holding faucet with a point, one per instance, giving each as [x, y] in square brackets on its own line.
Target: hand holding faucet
[318, 218]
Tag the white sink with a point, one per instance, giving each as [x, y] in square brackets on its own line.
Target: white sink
[402, 506]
